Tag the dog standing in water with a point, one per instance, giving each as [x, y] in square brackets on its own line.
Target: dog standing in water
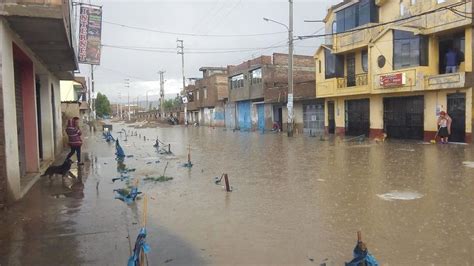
[63, 170]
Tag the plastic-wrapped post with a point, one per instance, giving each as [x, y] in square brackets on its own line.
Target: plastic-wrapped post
[227, 186]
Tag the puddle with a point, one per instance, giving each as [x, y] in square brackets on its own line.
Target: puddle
[400, 195]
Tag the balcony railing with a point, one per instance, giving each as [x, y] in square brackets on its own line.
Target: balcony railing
[353, 81]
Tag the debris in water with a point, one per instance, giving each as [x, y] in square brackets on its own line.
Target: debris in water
[321, 180]
[468, 164]
[168, 260]
[403, 149]
[160, 178]
[400, 195]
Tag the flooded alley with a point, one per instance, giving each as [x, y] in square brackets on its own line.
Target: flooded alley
[294, 201]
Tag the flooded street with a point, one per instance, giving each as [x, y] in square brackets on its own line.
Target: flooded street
[295, 201]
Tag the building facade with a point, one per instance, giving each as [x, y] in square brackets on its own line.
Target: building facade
[258, 93]
[206, 97]
[390, 67]
[36, 51]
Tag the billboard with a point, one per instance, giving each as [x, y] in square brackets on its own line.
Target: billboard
[90, 30]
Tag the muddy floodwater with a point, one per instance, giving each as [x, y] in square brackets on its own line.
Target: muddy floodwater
[295, 201]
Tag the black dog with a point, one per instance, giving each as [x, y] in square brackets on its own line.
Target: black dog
[62, 170]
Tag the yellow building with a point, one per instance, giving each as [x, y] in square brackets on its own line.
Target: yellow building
[391, 66]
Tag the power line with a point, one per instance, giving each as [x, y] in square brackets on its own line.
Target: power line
[225, 16]
[123, 74]
[168, 51]
[193, 34]
[384, 23]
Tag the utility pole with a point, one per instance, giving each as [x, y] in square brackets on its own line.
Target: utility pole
[127, 85]
[181, 52]
[162, 93]
[93, 92]
[289, 105]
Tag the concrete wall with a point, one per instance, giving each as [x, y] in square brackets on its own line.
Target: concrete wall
[298, 117]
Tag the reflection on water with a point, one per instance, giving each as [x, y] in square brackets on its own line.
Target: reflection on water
[295, 201]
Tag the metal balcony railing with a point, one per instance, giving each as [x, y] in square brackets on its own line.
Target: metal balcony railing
[352, 81]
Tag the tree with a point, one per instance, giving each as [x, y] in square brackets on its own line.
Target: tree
[102, 105]
[168, 104]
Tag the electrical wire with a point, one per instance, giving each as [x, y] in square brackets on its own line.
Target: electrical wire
[190, 51]
[193, 34]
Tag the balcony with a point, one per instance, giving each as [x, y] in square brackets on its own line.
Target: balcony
[351, 85]
[439, 21]
[446, 81]
[45, 27]
[344, 42]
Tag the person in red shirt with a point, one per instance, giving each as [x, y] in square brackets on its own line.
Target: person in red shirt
[75, 141]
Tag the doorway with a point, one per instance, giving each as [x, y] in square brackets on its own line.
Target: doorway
[20, 119]
[351, 77]
[38, 118]
[404, 117]
[357, 117]
[331, 118]
[457, 112]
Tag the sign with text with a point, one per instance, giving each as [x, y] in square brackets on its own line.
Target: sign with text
[393, 80]
[90, 30]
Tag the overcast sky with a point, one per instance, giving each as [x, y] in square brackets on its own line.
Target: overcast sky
[218, 17]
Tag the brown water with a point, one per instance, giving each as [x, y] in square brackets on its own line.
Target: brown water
[295, 201]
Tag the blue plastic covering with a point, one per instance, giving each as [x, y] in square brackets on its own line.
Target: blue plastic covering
[244, 116]
[108, 136]
[362, 256]
[127, 198]
[261, 117]
[140, 244]
[118, 150]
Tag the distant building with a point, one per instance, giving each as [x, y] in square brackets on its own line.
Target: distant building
[74, 100]
[37, 50]
[258, 93]
[206, 97]
[385, 69]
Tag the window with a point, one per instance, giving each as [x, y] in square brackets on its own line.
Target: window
[197, 95]
[361, 13]
[237, 81]
[334, 65]
[205, 93]
[365, 60]
[319, 63]
[256, 76]
[334, 27]
[402, 8]
[409, 49]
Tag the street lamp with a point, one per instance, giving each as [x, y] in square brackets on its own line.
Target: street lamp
[289, 105]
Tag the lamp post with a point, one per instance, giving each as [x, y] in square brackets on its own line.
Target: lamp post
[289, 105]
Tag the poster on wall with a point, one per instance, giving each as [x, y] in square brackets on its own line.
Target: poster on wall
[90, 30]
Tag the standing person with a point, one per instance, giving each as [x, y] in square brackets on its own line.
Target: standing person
[452, 60]
[444, 124]
[75, 141]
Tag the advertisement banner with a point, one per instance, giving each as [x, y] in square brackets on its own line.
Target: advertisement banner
[392, 80]
[90, 29]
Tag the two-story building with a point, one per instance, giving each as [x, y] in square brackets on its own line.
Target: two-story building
[37, 49]
[206, 97]
[384, 68]
[258, 93]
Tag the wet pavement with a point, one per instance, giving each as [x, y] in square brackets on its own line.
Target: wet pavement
[295, 201]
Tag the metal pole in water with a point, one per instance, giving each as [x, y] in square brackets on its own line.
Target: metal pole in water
[227, 186]
[169, 148]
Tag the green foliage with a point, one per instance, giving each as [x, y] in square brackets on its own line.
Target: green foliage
[102, 105]
[170, 104]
